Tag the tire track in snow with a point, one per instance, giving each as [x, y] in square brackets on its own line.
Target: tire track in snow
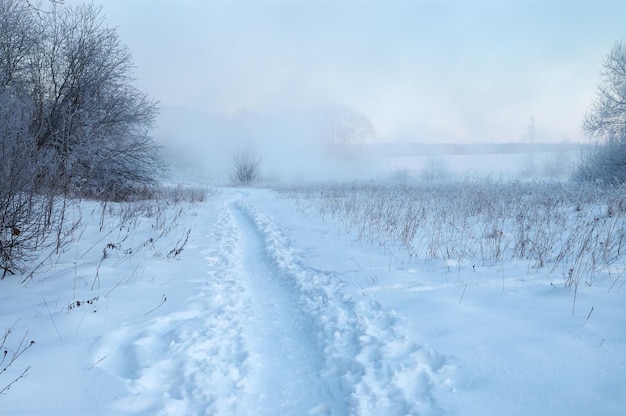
[369, 364]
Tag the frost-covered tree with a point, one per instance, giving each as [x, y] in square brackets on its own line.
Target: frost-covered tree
[26, 216]
[343, 125]
[530, 138]
[71, 121]
[18, 38]
[605, 123]
[435, 168]
[246, 167]
[607, 117]
[91, 125]
[338, 128]
[90, 121]
[21, 212]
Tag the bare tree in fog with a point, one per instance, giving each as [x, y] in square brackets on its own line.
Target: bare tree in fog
[246, 167]
[607, 117]
[559, 164]
[531, 137]
[37, 5]
[435, 169]
[605, 122]
[341, 127]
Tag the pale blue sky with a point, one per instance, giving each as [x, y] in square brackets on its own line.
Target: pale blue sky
[456, 70]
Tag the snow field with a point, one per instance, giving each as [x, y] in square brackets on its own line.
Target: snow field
[271, 308]
[239, 324]
[160, 338]
[508, 328]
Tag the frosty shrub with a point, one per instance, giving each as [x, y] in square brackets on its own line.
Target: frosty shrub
[181, 193]
[246, 167]
[603, 164]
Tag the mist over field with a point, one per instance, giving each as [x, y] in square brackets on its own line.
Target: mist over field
[292, 148]
[252, 73]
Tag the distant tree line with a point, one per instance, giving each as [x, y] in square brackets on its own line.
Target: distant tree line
[71, 121]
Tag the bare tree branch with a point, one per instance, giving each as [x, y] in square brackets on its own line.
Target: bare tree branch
[605, 122]
[38, 7]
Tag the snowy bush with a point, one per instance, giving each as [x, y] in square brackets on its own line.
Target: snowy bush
[246, 167]
[603, 164]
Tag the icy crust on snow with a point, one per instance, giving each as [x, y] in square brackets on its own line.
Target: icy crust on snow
[369, 362]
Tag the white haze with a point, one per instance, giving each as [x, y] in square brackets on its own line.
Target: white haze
[201, 147]
[421, 71]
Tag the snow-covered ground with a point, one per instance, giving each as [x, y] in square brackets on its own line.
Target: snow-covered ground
[270, 309]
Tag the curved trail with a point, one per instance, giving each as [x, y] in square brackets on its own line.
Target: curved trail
[262, 333]
[285, 364]
[368, 366]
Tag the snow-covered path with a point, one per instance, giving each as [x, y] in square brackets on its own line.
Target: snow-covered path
[285, 363]
[336, 356]
[257, 331]
[271, 311]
